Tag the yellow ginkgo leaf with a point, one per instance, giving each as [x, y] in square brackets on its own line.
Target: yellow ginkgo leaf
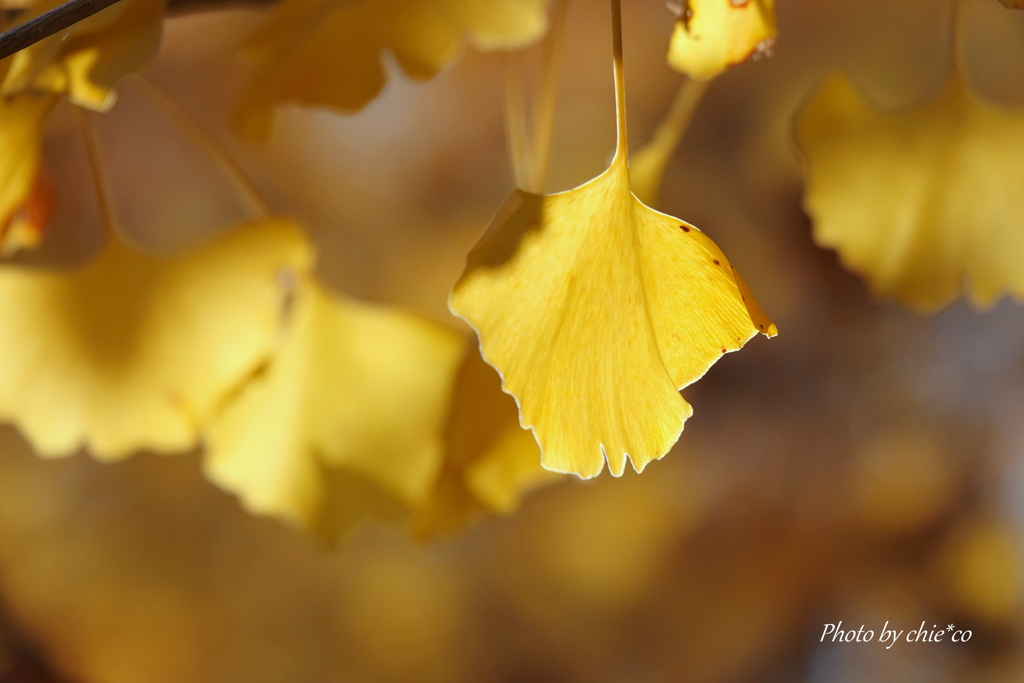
[134, 352]
[328, 52]
[597, 310]
[712, 35]
[88, 59]
[923, 202]
[490, 462]
[353, 388]
[21, 121]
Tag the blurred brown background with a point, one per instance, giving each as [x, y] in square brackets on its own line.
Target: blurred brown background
[866, 466]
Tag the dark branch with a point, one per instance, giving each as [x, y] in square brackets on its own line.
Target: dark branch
[62, 17]
[48, 23]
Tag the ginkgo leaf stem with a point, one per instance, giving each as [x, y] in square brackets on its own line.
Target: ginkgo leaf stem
[206, 142]
[670, 131]
[622, 141]
[104, 197]
[544, 110]
[515, 122]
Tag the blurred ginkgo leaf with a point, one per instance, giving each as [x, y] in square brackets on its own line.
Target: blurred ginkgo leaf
[597, 310]
[923, 202]
[134, 352]
[490, 461]
[328, 52]
[1013, 4]
[353, 388]
[712, 35]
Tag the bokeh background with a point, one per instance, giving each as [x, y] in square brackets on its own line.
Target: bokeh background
[867, 465]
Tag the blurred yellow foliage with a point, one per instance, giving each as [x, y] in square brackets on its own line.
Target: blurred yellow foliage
[490, 461]
[901, 481]
[135, 352]
[328, 52]
[980, 567]
[712, 35]
[21, 121]
[352, 387]
[923, 202]
[398, 595]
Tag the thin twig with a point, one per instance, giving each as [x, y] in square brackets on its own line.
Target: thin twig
[515, 123]
[49, 23]
[64, 16]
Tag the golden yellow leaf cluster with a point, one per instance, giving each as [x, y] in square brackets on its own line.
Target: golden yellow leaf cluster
[315, 408]
[352, 388]
[133, 352]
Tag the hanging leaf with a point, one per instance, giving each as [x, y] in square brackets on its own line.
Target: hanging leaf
[712, 35]
[596, 310]
[923, 202]
[327, 53]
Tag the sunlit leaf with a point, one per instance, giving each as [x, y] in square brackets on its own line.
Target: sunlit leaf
[712, 35]
[922, 202]
[328, 52]
[353, 388]
[133, 352]
[597, 310]
[490, 461]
